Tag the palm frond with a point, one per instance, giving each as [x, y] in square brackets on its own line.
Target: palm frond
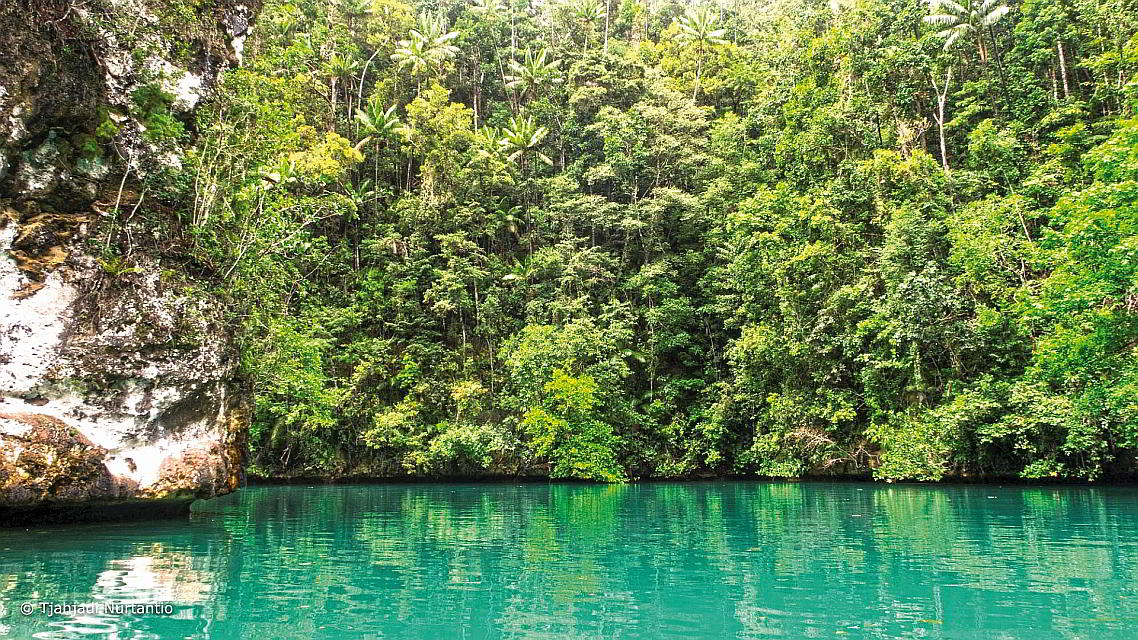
[953, 7]
[940, 19]
[994, 16]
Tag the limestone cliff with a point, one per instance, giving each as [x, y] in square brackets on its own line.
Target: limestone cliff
[118, 376]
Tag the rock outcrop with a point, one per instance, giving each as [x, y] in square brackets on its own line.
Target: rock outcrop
[119, 377]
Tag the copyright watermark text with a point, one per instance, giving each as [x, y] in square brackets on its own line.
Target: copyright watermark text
[50, 609]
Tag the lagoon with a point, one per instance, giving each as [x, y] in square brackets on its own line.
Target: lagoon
[736, 559]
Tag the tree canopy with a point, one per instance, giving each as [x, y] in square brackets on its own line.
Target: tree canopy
[611, 240]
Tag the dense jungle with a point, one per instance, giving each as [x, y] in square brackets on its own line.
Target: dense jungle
[621, 239]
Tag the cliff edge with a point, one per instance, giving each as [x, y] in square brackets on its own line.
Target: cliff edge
[119, 382]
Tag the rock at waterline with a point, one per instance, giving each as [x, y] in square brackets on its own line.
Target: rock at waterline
[119, 385]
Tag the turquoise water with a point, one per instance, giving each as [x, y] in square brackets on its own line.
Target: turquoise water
[699, 560]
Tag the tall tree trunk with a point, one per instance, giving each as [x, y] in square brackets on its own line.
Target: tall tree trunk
[512, 95]
[942, 99]
[513, 32]
[999, 65]
[363, 76]
[647, 13]
[986, 69]
[606, 26]
[698, 72]
[1063, 68]
[348, 98]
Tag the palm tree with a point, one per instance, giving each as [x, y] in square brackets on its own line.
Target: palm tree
[286, 19]
[506, 217]
[960, 19]
[588, 13]
[965, 18]
[521, 270]
[698, 26]
[521, 137]
[534, 71]
[413, 54]
[503, 216]
[489, 143]
[360, 194]
[426, 49]
[434, 28]
[339, 68]
[378, 125]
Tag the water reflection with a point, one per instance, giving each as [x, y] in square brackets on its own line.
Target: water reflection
[707, 560]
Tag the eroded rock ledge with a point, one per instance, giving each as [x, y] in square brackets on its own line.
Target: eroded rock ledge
[113, 387]
[119, 382]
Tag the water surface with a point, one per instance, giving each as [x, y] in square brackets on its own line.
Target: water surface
[699, 560]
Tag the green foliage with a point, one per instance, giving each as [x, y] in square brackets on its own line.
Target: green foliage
[618, 241]
[1086, 308]
[970, 18]
[428, 47]
[565, 430]
[152, 108]
[325, 161]
[117, 266]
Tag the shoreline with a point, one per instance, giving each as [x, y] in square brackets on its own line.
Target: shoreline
[53, 515]
[1127, 480]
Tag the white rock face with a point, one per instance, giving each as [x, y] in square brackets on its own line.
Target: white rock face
[118, 382]
[238, 45]
[136, 370]
[30, 329]
[188, 91]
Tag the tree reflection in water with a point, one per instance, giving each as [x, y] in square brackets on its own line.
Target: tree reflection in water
[724, 559]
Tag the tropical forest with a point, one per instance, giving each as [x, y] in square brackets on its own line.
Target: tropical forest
[622, 239]
[548, 319]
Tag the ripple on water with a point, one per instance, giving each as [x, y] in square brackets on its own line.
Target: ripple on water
[702, 560]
